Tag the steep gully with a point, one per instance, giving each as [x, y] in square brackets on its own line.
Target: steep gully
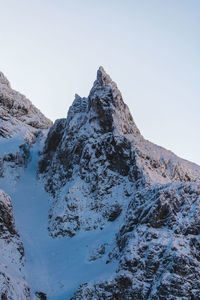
[57, 266]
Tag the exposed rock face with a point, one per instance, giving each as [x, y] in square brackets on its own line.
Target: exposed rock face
[20, 124]
[157, 247]
[87, 156]
[106, 109]
[12, 282]
[18, 114]
[100, 169]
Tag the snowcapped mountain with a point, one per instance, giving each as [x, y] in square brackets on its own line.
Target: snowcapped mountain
[20, 125]
[102, 212]
[96, 158]
[18, 114]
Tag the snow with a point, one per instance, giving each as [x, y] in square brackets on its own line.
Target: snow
[158, 205]
[54, 266]
[11, 145]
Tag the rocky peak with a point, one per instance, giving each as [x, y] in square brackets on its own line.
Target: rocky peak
[92, 151]
[141, 202]
[4, 80]
[102, 116]
[107, 108]
[97, 152]
[104, 80]
[13, 104]
[103, 77]
[18, 114]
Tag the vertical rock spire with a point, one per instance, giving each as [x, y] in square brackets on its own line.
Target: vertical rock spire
[107, 107]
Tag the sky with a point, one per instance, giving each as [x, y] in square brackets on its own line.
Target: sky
[50, 50]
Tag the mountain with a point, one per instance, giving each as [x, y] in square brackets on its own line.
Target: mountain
[94, 160]
[18, 115]
[102, 213]
[21, 123]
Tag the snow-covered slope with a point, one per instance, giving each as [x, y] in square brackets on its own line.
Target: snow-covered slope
[102, 212]
[20, 124]
[55, 267]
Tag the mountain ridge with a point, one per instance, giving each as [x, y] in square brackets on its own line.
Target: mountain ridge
[91, 129]
[122, 213]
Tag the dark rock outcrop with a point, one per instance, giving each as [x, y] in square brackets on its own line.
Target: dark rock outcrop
[157, 247]
[12, 282]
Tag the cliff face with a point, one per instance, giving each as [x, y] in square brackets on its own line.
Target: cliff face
[157, 247]
[88, 157]
[99, 169]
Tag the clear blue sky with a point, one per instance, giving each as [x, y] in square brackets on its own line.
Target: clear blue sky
[51, 49]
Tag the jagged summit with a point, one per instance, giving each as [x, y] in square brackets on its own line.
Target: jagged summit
[103, 77]
[102, 111]
[4, 80]
[104, 85]
[108, 112]
[97, 147]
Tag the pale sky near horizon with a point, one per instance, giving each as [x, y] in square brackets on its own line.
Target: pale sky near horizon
[50, 50]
